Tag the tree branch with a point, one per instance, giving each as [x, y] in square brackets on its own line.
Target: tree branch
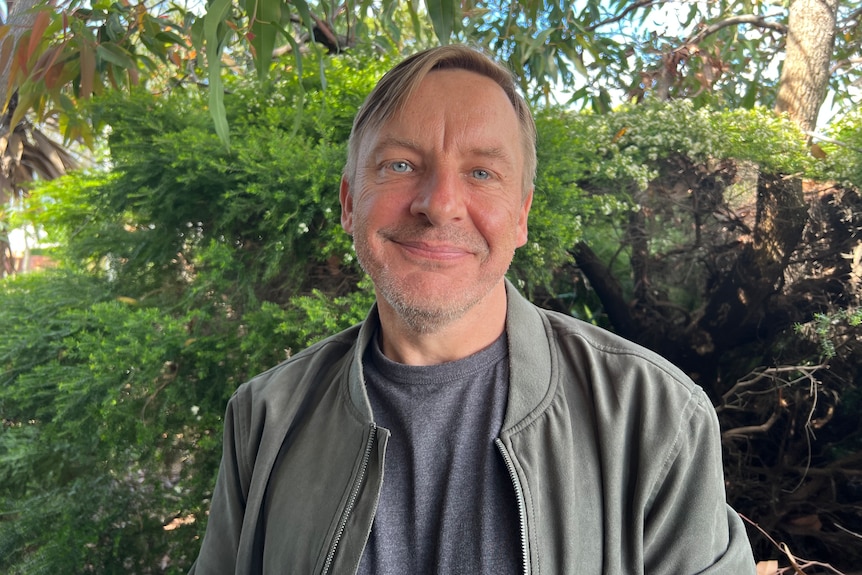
[823, 138]
[607, 288]
[851, 18]
[845, 63]
[794, 560]
[631, 8]
[754, 20]
[749, 429]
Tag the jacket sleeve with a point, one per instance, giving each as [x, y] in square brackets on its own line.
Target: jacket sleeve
[218, 552]
[689, 528]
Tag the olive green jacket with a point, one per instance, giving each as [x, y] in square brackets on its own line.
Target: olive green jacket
[613, 452]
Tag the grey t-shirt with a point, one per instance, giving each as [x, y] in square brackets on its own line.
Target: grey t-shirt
[447, 504]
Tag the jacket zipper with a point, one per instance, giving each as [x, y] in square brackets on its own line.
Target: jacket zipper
[351, 502]
[522, 506]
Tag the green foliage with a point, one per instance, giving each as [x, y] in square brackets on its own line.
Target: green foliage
[175, 190]
[713, 54]
[642, 50]
[112, 416]
[632, 140]
[74, 50]
[615, 156]
[189, 268]
[843, 162]
[831, 330]
[561, 207]
[81, 408]
[195, 269]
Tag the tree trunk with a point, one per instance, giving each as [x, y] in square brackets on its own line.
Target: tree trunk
[608, 289]
[738, 296]
[805, 73]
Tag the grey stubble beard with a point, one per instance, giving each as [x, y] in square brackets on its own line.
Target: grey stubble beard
[419, 319]
[396, 291]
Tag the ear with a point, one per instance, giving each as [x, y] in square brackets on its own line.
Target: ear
[522, 219]
[346, 199]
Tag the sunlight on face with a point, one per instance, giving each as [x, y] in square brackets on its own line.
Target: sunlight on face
[437, 207]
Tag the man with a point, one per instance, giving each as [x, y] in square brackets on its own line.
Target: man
[460, 429]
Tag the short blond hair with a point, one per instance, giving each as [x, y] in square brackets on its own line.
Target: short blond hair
[395, 88]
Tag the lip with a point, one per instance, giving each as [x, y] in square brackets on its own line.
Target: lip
[433, 251]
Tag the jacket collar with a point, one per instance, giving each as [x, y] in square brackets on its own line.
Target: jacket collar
[531, 362]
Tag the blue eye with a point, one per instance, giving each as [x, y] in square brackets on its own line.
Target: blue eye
[481, 174]
[401, 167]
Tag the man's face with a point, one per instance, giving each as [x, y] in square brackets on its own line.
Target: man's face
[437, 206]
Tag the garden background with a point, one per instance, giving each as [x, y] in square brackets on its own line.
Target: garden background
[700, 166]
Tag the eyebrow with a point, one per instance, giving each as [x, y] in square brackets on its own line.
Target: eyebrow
[394, 142]
[493, 152]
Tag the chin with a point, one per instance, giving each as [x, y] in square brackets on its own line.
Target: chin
[428, 311]
[425, 318]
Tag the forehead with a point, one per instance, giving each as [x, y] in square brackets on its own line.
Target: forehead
[452, 107]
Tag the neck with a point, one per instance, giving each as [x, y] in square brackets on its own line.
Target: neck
[475, 330]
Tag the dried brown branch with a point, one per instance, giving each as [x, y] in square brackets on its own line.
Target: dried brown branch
[838, 466]
[797, 563]
[749, 429]
[845, 530]
[775, 374]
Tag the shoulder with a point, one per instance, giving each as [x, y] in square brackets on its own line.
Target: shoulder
[618, 370]
[314, 367]
[566, 328]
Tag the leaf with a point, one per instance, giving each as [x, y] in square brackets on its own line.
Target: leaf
[134, 75]
[169, 37]
[197, 36]
[26, 99]
[49, 151]
[46, 61]
[265, 24]
[305, 13]
[750, 97]
[21, 58]
[216, 14]
[88, 68]
[115, 55]
[442, 14]
[538, 42]
[414, 20]
[297, 57]
[154, 46]
[114, 28]
[6, 48]
[43, 18]
[54, 77]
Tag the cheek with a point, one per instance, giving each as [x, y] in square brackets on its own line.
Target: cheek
[382, 205]
[373, 212]
[499, 227]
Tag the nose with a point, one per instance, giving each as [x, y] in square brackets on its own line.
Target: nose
[440, 198]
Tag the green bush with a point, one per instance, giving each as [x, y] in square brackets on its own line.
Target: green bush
[187, 268]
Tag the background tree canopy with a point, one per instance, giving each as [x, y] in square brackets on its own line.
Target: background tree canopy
[672, 206]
